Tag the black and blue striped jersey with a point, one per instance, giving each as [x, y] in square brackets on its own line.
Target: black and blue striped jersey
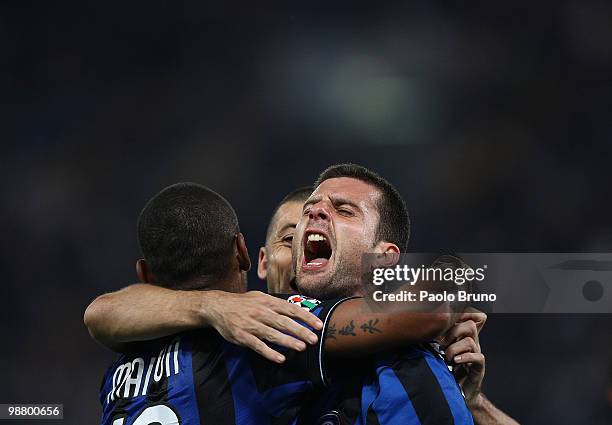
[410, 386]
[197, 378]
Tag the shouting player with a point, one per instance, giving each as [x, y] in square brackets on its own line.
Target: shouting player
[189, 236]
[355, 206]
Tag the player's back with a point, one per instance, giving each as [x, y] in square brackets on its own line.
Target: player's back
[198, 378]
[157, 383]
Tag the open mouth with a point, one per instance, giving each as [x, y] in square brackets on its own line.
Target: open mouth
[317, 251]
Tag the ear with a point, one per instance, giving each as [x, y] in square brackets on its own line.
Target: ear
[143, 272]
[244, 261]
[387, 254]
[262, 262]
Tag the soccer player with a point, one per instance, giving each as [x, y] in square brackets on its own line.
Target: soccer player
[345, 212]
[351, 212]
[356, 211]
[141, 312]
[274, 265]
[276, 256]
[189, 236]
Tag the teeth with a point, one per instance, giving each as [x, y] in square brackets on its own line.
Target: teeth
[316, 237]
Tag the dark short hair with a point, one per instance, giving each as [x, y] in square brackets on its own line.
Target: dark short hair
[187, 231]
[296, 195]
[394, 223]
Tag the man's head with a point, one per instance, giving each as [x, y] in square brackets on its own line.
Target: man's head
[190, 239]
[275, 257]
[352, 211]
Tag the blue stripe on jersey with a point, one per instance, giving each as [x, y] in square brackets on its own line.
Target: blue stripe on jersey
[251, 406]
[451, 390]
[107, 383]
[181, 391]
[275, 399]
[388, 400]
[316, 311]
[368, 395]
[243, 387]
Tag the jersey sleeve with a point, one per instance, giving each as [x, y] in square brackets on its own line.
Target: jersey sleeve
[312, 359]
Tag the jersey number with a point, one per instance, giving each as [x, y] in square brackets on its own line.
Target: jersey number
[159, 414]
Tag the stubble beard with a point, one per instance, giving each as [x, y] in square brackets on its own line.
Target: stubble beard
[343, 282]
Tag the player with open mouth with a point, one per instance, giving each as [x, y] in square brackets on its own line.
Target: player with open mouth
[317, 250]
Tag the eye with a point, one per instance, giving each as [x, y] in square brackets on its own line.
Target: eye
[345, 212]
[288, 239]
[306, 211]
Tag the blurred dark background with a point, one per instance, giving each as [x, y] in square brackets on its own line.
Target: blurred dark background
[494, 121]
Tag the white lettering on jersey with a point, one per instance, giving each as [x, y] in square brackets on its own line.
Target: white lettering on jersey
[137, 366]
[146, 382]
[128, 376]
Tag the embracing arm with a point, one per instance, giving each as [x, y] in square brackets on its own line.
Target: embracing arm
[355, 330]
[142, 312]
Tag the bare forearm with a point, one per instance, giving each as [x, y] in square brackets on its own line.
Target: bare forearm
[485, 413]
[354, 330]
[142, 312]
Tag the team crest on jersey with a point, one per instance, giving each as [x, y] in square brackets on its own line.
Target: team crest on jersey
[304, 302]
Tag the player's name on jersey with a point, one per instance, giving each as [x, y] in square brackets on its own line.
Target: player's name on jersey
[131, 379]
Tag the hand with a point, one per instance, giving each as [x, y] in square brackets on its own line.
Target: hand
[251, 318]
[462, 347]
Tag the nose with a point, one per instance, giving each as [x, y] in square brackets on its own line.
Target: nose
[318, 212]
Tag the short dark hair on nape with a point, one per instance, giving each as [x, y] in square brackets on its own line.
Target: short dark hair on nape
[187, 231]
[299, 194]
[394, 224]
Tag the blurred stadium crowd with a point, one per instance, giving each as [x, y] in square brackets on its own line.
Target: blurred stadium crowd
[493, 121]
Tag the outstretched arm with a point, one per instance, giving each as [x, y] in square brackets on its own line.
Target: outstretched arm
[142, 312]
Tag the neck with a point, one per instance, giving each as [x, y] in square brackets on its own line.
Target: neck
[234, 282]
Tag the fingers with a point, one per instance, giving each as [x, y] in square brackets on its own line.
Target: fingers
[290, 326]
[273, 324]
[274, 336]
[470, 367]
[285, 308]
[298, 313]
[259, 347]
[266, 319]
[464, 329]
[475, 315]
[476, 360]
[464, 345]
